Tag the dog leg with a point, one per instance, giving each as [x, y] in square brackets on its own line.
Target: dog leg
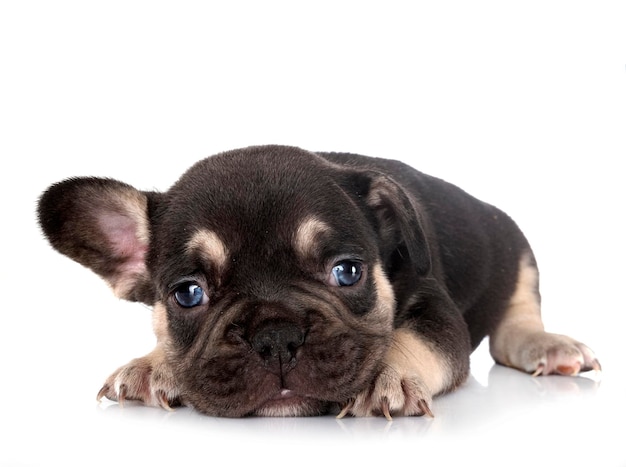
[428, 357]
[147, 379]
[519, 340]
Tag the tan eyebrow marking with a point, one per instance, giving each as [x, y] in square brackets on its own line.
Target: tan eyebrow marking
[307, 236]
[210, 247]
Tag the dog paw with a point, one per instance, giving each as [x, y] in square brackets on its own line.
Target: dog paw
[390, 394]
[546, 354]
[413, 371]
[146, 379]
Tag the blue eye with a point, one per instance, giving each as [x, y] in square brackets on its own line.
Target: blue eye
[346, 273]
[189, 295]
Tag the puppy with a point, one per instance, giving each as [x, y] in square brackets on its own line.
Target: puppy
[291, 283]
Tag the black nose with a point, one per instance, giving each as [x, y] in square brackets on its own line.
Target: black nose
[278, 341]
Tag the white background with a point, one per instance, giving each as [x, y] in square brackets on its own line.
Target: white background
[521, 103]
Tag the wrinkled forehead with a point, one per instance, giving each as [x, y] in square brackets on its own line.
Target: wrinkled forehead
[305, 215]
[307, 239]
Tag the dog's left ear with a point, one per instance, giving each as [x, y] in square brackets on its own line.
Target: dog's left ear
[398, 221]
[104, 225]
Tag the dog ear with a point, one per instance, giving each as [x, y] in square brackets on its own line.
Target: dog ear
[102, 224]
[399, 225]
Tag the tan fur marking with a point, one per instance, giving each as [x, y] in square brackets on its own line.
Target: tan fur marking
[307, 234]
[211, 248]
[521, 342]
[386, 301]
[410, 355]
[123, 284]
[159, 322]
[413, 372]
[522, 317]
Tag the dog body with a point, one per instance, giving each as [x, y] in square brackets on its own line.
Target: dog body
[286, 282]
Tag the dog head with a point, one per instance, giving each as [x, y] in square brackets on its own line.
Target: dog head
[274, 273]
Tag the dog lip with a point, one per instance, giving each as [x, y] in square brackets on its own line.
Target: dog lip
[287, 402]
[284, 394]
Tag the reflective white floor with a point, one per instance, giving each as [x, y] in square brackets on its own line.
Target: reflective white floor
[500, 417]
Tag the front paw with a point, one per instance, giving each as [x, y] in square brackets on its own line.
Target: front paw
[413, 372]
[147, 379]
[392, 394]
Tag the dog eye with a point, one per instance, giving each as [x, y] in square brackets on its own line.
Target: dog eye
[189, 295]
[346, 273]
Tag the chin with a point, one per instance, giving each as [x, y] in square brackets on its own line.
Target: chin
[287, 405]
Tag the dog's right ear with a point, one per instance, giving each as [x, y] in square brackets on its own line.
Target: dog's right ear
[104, 225]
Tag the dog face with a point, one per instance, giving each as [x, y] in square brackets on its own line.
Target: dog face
[268, 269]
[273, 289]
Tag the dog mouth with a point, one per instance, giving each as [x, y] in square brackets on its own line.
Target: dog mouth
[284, 394]
[278, 378]
[290, 403]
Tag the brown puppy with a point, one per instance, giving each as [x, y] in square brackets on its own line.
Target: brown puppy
[286, 282]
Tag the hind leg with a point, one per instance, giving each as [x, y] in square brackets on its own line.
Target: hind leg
[519, 340]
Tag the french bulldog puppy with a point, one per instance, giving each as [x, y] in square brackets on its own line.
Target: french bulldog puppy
[291, 283]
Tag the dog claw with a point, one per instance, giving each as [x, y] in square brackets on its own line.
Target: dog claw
[102, 393]
[345, 411]
[423, 405]
[163, 402]
[539, 370]
[121, 396]
[385, 410]
[568, 370]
